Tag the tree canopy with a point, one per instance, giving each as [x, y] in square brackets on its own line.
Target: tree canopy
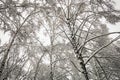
[59, 40]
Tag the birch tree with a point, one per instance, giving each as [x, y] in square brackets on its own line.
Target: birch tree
[76, 40]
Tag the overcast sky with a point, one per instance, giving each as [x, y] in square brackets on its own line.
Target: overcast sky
[116, 27]
[113, 28]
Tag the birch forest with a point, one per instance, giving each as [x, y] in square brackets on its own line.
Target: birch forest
[59, 40]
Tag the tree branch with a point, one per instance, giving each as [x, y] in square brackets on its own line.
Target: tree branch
[101, 49]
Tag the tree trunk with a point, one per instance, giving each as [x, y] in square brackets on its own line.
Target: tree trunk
[80, 58]
[3, 64]
[82, 64]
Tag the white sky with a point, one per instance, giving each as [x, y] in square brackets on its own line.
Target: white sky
[116, 27]
[4, 37]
